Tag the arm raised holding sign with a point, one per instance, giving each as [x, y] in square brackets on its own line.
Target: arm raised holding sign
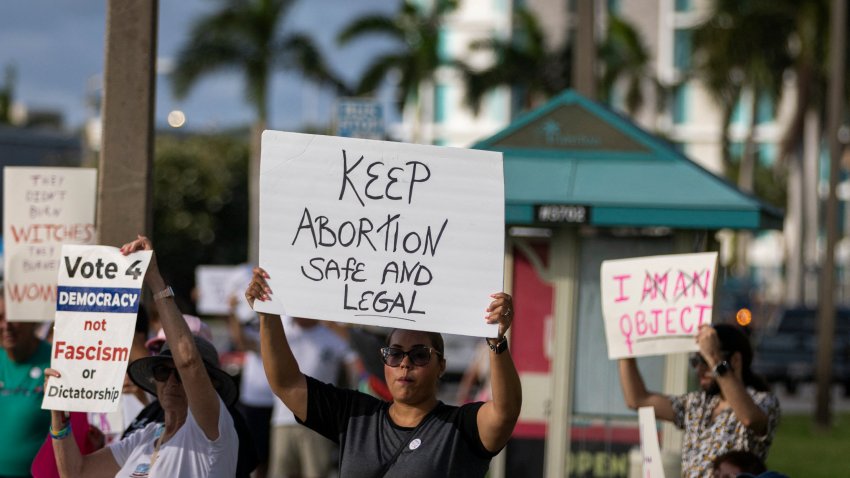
[413, 363]
[732, 410]
[198, 437]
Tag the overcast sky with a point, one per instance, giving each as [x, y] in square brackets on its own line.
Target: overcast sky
[57, 48]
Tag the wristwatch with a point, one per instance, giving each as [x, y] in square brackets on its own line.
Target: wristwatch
[499, 346]
[721, 368]
[164, 293]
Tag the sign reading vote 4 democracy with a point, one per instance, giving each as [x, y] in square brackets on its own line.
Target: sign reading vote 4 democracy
[381, 233]
[655, 305]
[96, 304]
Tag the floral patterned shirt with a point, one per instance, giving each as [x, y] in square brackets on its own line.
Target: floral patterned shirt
[705, 439]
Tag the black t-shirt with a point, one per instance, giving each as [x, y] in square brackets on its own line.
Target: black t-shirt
[446, 444]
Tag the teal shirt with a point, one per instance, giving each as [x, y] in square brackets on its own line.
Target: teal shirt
[25, 424]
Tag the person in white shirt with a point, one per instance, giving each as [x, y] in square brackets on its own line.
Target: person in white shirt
[198, 438]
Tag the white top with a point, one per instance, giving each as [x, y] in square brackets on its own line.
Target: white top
[254, 389]
[188, 453]
[320, 354]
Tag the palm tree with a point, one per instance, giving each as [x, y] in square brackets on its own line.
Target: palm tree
[417, 32]
[625, 58]
[523, 62]
[245, 35]
[537, 73]
[728, 70]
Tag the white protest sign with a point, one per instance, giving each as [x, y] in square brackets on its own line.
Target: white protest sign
[43, 208]
[649, 449]
[655, 305]
[215, 286]
[97, 301]
[381, 233]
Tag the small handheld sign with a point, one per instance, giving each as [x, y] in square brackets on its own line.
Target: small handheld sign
[97, 300]
[381, 233]
[655, 305]
[43, 208]
[650, 452]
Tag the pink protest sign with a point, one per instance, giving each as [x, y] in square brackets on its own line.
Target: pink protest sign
[655, 305]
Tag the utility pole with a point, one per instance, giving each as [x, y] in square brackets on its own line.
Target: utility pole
[826, 309]
[584, 49]
[125, 185]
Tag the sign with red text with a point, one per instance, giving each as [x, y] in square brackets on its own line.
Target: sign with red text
[381, 233]
[649, 449]
[43, 208]
[97, 301]
[655, 305]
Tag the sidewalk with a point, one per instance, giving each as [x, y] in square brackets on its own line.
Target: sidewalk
[804, 400]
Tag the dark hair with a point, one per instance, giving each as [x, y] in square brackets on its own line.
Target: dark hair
[747, 461]
[733, 339]
[435, 338]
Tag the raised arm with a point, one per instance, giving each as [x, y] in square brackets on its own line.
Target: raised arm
[497, 417]
[731, 384]
[636, 394]
[69, 461]
[241, 341]
[200, 393]
[285, 378]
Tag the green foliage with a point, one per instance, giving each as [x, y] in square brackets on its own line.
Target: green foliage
[417, 34]
[801, 451]
[200, 204]
[770, 183]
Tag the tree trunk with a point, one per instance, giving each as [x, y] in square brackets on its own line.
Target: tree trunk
[746, 180]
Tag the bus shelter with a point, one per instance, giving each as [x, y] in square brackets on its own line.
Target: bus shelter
[583, 184]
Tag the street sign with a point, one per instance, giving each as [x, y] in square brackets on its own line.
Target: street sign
[360, 118]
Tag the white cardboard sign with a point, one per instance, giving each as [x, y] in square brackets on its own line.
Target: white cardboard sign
[381, 233]
[97, 300]
[43, 208]
[655, 305]
[215, 286]
[649, 449]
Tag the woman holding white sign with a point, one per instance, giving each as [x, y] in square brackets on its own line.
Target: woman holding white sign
[415, 434]
[198, 438]
[733, 410]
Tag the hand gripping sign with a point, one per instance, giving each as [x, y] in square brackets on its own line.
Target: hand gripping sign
[655, 305]
[96, 304]
[381, 233]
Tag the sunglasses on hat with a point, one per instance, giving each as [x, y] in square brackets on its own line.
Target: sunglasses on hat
[419, 355]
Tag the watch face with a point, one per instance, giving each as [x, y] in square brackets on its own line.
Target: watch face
[721, 368]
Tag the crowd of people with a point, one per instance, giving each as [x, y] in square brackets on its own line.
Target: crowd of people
[301, 407]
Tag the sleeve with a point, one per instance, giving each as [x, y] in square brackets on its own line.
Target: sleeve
[679, 403]
[469, 428]
[769, 404]
[329, 408]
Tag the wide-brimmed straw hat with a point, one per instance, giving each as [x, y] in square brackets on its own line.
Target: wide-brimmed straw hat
[141, 370]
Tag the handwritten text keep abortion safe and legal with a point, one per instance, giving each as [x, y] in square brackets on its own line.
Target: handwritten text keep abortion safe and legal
[381, 233]
[655, 305]
[389, 234]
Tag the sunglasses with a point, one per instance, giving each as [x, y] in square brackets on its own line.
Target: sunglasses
[419, 355]
[696, 360]
[162, 372]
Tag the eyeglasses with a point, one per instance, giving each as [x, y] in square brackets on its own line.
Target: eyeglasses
[419, 356]
[162, 372]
